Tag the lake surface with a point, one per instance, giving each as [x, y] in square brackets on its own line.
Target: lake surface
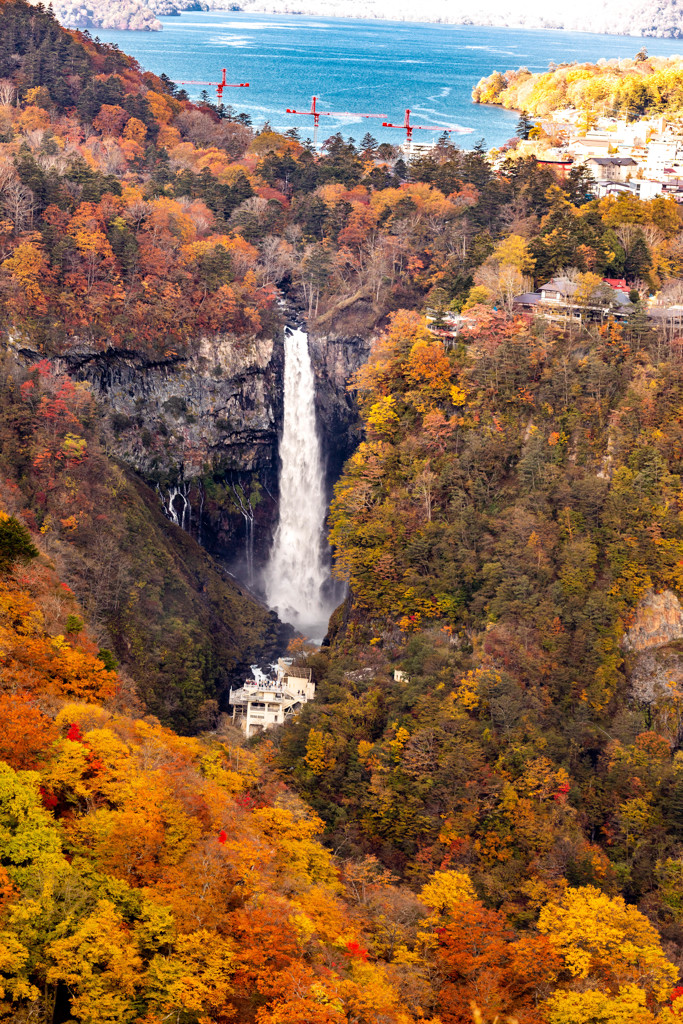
[377, 67]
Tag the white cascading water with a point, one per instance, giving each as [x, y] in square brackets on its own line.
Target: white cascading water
[297, 572]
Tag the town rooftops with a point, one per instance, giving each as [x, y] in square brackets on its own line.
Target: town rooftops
[620, 298]
[588, 143]
[565, 288]
[613, 161]
[559, 286]
[618, 283]
[561, 290]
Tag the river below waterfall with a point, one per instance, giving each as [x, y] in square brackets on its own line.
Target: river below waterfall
[297, 577]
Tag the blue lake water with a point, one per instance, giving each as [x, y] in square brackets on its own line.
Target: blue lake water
[365, 66]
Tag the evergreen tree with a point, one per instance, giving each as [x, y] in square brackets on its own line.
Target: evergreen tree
[401, 169]
[368, 144]
[638, 259]
[639, 326]
[15, 543]
[580, 185]
[524, 126]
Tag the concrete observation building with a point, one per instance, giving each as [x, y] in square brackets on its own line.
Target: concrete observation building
[265, 701]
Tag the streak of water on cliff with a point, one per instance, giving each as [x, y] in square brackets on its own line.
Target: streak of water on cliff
[297, 572]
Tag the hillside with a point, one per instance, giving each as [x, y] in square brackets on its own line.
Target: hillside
[145, 876]
[478, 818]
[506, 528]
[660, 19]
[181, 627]
[135, 15]
[634, 18]
[626, 88]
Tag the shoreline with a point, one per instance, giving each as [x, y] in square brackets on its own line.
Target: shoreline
[365, 15]
[465, 22]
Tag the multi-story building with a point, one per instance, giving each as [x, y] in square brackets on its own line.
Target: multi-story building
[664, 158]
[611, 168]
[266, 701]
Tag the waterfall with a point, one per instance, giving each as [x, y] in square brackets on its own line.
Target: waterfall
[245, 507]
[177, 507]
[297, 571]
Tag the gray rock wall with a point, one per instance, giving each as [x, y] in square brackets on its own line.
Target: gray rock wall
[654, 646]
[204, 430]
[221, 408]
[335, 359]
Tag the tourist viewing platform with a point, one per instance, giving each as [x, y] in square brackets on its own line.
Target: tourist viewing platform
[266, 701]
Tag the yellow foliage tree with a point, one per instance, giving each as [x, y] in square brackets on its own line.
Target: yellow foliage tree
[513, 251]
[603, 939]
[446, 890]
[101, 965]
[318, 757]
[627, 1006]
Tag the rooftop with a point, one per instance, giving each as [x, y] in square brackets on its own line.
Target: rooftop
[563, 285]
[613, 161]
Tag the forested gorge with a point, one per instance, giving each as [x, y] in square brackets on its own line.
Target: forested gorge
[164, 606]
[479, 817]
[513, 502]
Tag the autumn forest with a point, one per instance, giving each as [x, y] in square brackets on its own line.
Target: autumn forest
[479, 818]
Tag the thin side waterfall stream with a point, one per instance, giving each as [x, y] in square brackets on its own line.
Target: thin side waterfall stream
[297, 572]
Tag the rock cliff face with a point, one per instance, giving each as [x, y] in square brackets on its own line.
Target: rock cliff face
[204, 431]
[654, 646]
[335, 358]
[658, 620]
[222, 407]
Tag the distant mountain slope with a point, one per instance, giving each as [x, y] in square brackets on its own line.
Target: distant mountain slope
[138, 15]
[652, 18]
[661, 19]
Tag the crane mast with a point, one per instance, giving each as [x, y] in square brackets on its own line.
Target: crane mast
[317, 114]
[220, 86]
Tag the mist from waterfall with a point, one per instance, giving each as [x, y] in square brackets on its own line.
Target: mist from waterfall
[297, 572]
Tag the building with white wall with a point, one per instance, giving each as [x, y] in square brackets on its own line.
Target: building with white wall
[611, 168]
[664, 157]
[265, 701]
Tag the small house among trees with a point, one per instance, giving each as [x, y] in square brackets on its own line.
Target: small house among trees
[580, 297]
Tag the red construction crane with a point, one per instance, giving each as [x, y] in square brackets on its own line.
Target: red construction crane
[220, 86]
[410, 128]
[317, 114]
